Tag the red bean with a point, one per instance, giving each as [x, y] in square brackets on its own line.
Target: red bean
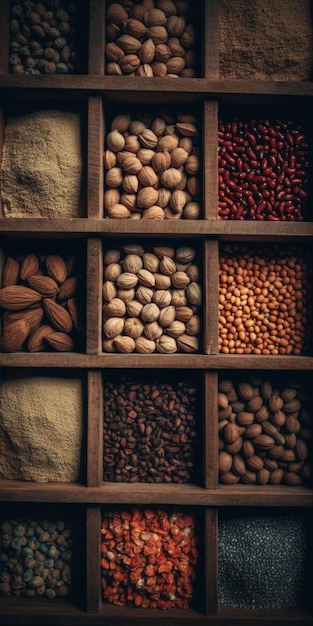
[263, 170]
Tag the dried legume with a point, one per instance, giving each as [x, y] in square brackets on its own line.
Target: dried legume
[150, 432]
[263, 170]
[43, 37]
[148, 558]
[264, 300]
[36, 558]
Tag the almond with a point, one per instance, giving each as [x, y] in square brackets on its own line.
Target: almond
[71, 305]
[10, 272]
[36, 341]
[17, 297]
[45, 285]
[60, 341]
[56, 267]
[68, 288]
[14, 335]
[29, 266]
[57, 315]
[32, 316]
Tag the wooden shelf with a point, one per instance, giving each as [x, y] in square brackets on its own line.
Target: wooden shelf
[99, 97]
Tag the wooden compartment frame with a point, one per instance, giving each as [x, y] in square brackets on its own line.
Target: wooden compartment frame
[97, 92]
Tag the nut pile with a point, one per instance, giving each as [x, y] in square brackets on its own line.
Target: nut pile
[151, 167]
[36, 558]
[150, 432]
[150, 38]
[148, 558]
[264, 300]
[40, 304]
[43, 37]
[265, 432]
[151, 300]
[263, 170]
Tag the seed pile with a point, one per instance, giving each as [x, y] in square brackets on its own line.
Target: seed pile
[262, 561]
[36, 558]
[148, 558]
[265, 432]
[151, 300]
[152, 166]
[43, 37]
[264, 300]
[150, 432]
[263, 170]
[40, 301]
[151, 39]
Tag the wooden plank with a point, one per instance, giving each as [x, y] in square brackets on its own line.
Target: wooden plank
[211, 265]
[95, 158]
[210, 430]
[210, 162]
[160, 493]
[94, 296]
[94, 429]
[211, 39]
[96, 38]
[4, 36]
[211, 559]
[93, 572]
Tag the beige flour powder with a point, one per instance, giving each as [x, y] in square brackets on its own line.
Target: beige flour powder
[42, 169]
[266, 40]
[41, 429]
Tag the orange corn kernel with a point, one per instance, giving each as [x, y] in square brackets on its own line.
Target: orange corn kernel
[137, 599]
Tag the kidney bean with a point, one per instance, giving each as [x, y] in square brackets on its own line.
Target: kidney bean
[264, 154]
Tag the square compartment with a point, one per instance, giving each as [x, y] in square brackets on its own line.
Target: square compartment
[43, 427]
[43, 171]
[152, 428]
[42, 292]
[265, 299]
[152, 164]
[264, 560]
[41, 555]
[265, 428]
[152, 297]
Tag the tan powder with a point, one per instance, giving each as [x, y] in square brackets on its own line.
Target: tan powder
[41, 429]
[266, 40]
[42, 169]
